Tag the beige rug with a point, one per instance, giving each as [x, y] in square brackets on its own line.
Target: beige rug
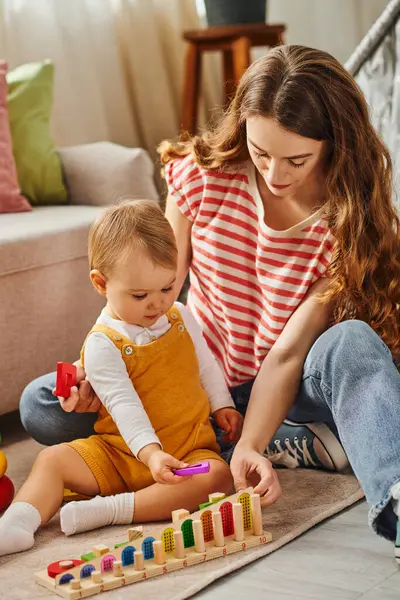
[309, 497]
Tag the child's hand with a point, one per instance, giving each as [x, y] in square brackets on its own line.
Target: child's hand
[161, 464]
[82, 398]
[162, 467]
[231, 421]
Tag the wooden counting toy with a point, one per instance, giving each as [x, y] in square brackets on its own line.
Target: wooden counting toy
[227, 525]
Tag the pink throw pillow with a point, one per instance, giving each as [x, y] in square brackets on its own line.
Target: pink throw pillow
[11, 200]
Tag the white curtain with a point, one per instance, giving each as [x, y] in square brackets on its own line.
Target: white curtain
[336, 26]
[119, 63]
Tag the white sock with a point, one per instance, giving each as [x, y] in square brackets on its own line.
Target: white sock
[395, 491]
[91, 514]
[17, 528]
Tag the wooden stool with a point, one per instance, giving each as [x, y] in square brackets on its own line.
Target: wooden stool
[235, 41]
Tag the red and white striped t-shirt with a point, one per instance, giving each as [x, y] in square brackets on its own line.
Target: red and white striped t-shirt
[246, 278]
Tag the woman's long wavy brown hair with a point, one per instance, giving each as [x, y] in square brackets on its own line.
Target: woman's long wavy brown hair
[309, 93]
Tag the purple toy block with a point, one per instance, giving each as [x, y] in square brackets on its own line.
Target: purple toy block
[202, 467]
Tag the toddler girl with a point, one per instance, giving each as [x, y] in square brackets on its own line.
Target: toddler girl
[157, 381]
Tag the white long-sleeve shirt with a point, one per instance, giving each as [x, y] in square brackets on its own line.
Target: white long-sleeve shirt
[107, 374]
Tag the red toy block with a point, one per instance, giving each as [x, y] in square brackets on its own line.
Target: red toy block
[66, 379]
[58, 567]
[6, 492]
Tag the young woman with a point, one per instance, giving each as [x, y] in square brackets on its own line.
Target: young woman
[284, 216]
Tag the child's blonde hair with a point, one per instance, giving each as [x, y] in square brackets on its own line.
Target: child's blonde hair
[136, 224]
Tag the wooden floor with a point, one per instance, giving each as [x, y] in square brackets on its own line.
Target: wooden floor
[339, 560]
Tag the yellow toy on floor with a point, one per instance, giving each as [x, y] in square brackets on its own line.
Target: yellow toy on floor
[6, 485]
[222, 526]
[3, 464]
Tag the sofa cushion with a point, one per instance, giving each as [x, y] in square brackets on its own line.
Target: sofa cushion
[11, 199]
[30, 100]
[104, 173]
[45, 236]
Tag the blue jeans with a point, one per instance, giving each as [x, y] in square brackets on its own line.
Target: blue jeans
[349, 382]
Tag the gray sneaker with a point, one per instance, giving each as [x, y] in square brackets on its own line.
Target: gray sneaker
[307, 445]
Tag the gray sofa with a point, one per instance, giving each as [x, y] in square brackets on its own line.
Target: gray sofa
[47, 304]
[376, 66]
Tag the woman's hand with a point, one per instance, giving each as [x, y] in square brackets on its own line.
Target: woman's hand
[231, 421]
[82, 398]
[249, 468]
